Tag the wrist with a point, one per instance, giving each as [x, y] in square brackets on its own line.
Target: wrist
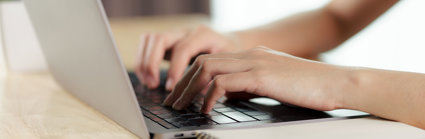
[233, 42]
[354, 80]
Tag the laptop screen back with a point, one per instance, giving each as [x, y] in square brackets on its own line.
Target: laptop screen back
[77, 43]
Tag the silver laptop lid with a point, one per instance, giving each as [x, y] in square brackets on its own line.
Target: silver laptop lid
[77, 43]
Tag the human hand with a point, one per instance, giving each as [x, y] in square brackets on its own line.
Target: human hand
[259, 71]
[182, 45]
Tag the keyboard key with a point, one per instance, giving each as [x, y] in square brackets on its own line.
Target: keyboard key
[157, 101]
[240, 117]
[254, 113]
[194, 108]
[213, 113]
[183, 124]
[166, 124]
[156, 119]
[201, 121]
[148, 114]
[155, 108]
[263, 117]
[190, 115]
[225, 109]
[166, 115]
[160, 112]
[221, 119]
[175, 120]
[147, 105]
[185, 111]
[240, 106]
[219, 105]
[222, 99]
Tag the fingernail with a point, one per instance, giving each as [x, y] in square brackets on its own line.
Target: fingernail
[168, 84]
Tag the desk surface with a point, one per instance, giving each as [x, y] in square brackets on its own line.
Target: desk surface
[34, 106]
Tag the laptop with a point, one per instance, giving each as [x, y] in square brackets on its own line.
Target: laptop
[76, 40]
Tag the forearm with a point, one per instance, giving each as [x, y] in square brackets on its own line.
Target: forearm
[304, 35]
[393, 95]
[310, 33]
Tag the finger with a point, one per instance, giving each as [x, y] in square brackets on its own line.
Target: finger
[210, 68]
[235, 82]
[181, 85]
[139, 60]
[154, 52]
[174, 95]
[180, 58]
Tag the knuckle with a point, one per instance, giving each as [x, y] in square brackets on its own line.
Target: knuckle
[261, 47]
[206, 66]
[184, 48]
[204, 72]
[257, 51]
[200, 59]
[218, 81]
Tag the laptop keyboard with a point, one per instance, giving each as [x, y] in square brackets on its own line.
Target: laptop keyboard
[151, 104]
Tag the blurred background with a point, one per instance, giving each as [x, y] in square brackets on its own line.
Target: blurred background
[394, 41]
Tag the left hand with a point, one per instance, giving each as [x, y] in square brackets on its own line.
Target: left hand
[260, 71]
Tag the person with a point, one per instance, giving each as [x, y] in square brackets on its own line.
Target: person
[286, 69]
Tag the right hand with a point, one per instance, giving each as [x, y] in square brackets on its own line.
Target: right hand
[183, 45]
[264, 72]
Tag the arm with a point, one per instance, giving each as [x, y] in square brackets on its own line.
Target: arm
[393, 95]
[311, 33]
[261, 71]
[305, 35]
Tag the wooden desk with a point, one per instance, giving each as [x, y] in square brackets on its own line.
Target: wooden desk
[34, 106]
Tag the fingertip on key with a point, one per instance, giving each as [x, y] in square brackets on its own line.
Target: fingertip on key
[169, 84]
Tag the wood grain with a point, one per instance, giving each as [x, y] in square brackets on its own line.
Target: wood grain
[34, 106]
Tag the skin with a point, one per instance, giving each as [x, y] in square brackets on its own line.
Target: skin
[304, 35]
[265, 72]
[283, 70]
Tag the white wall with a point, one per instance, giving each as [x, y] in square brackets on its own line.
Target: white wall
[231, 15]
[20, 43]
[2, 56]
[394, 41]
